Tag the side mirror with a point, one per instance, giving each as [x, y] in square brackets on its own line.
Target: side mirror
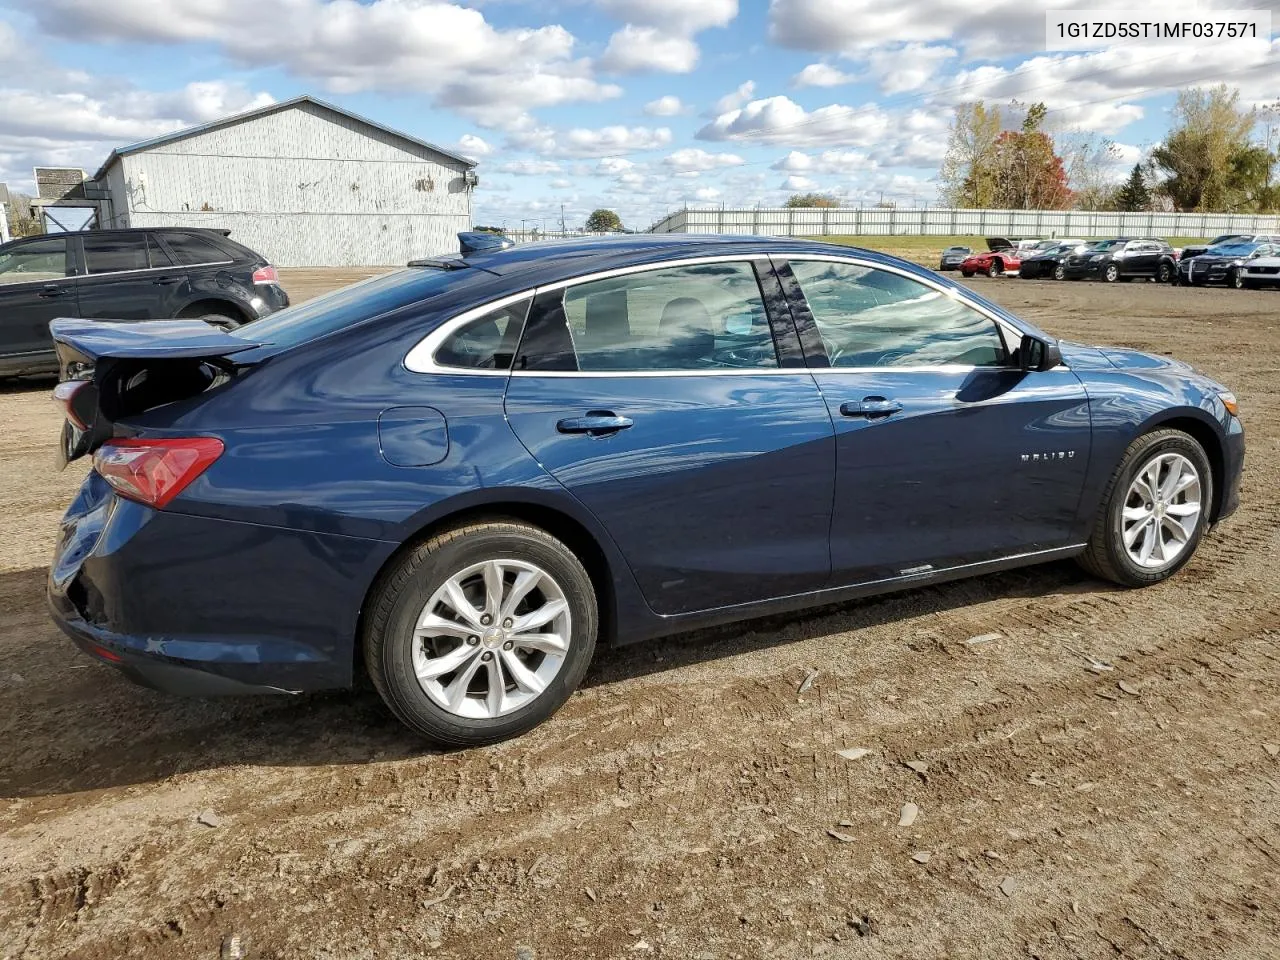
[1036, 354]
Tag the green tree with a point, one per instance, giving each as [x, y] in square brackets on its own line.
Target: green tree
[967, 174]
[1134, 195]
[604, 221]
[797, 200]
[1210, 130]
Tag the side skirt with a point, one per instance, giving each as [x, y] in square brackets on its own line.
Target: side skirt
[665, 626]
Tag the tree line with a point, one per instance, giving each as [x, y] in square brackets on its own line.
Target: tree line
[1217, 157]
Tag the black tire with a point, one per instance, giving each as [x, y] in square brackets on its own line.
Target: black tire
[399, 596]
[1059, 272]
[966, 273]
[1235, 278]
[1250, 284]
[1164, 273]
[1105, 555]
[1111, 272]
[995, 269]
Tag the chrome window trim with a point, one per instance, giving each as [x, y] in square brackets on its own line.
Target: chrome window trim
[421, 357]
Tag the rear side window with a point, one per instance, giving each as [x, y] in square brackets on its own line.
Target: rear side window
[699, 317]
[38, 260]
[192, 250]
[110, 253]
[874, 318]
[488, 342]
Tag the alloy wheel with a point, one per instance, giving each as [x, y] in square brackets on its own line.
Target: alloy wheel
[491, 638]
[1161, 510]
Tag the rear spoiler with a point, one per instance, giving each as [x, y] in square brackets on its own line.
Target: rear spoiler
[113, 369]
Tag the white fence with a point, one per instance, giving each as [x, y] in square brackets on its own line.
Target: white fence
[807, 222]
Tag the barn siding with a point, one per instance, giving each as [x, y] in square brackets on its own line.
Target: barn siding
[304, 187]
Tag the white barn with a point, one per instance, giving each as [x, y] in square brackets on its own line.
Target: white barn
[302, 182]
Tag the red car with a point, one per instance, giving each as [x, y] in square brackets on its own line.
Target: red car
[993, 262]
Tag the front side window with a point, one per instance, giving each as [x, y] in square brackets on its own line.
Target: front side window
[488, 342]
[39, 260]
[115, 253]
[874, 318]
[695, 317]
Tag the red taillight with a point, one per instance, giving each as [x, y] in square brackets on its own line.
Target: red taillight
[155, 471]
[64, 393]
[266, 274]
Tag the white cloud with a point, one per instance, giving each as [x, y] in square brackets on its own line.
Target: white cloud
[444, 50]
[612, 166]
[587, 143]
[668, 106]
[707, 194]
[821, 75]
[469, 145]
[673, 16]
[901, 69]
[829, 161]
[732, 101]
[695, 160]
[560, 183]
[797, 182]
[529, 168]
[640, 49]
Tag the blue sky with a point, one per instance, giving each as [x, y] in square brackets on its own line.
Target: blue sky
[639, 105]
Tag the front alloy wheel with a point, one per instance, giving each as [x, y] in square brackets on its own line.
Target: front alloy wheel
[1235, 278]
[994, 270]
[1154, 512]
[1111, 273]
[481, 632]
[1059, 272]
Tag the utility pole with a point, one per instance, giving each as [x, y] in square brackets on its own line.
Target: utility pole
[562, 230]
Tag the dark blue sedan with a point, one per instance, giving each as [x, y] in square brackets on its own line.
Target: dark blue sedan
[461, 476]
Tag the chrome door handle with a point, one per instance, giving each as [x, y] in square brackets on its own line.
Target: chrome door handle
[53, 291]
[595, 424]
[870, 407]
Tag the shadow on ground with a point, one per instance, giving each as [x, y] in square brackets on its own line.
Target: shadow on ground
[69, 724]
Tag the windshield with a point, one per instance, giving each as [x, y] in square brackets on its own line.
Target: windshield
[956, 250]
[1103, 245]
[347, 306]
[1059, 249]
[1225, 237]
[1235, 249]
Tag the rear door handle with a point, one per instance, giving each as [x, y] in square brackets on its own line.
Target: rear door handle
[870, 407]
[595, 423]
[53, 291]
[166, 281]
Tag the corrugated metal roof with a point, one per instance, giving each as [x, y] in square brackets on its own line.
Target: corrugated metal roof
[262, 111]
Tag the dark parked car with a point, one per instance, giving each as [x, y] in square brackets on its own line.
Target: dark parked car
[464, 475]
[952, 257]
[1123, 259]
[1223, 264]
[1050, 262]
[138, 274]
[1196, 249]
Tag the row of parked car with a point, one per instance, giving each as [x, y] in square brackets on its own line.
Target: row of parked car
[1235, 260]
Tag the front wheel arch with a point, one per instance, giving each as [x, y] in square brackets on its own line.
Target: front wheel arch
[1210, 441]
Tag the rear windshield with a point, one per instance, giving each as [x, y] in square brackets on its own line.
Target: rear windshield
[347, 306]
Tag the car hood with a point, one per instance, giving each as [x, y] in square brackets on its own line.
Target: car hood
[1216, 258]
[1082, 356]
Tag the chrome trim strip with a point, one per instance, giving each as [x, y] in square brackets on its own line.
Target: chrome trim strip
[422, 358]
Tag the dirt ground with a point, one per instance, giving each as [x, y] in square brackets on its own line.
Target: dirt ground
[689, 802]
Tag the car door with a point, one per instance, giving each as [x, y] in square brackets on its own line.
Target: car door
[1142, 258]
[677, 408]
[36, 285]
[946, 452]
[128, 276]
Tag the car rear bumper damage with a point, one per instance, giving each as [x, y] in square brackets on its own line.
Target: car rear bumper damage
[204, 606]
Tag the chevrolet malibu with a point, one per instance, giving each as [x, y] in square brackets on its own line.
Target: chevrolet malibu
[463, 476]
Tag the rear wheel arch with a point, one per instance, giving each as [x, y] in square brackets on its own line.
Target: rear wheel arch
[565, 528]
[213, 307]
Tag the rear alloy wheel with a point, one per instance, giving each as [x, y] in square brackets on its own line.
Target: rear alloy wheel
[1164, 273]
[995, 269]
[1111, 273]
[1154, 513]
[1235, 278]
[481, 633]
[1059, 272]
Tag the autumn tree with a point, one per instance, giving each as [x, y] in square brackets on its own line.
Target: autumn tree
[604, 221]
[967, 174]
[1090, 160]
[1204, 161]
[798, 200]
[1029, 174]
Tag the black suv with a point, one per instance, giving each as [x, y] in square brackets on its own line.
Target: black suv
[1123, 259]
[139, 274]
